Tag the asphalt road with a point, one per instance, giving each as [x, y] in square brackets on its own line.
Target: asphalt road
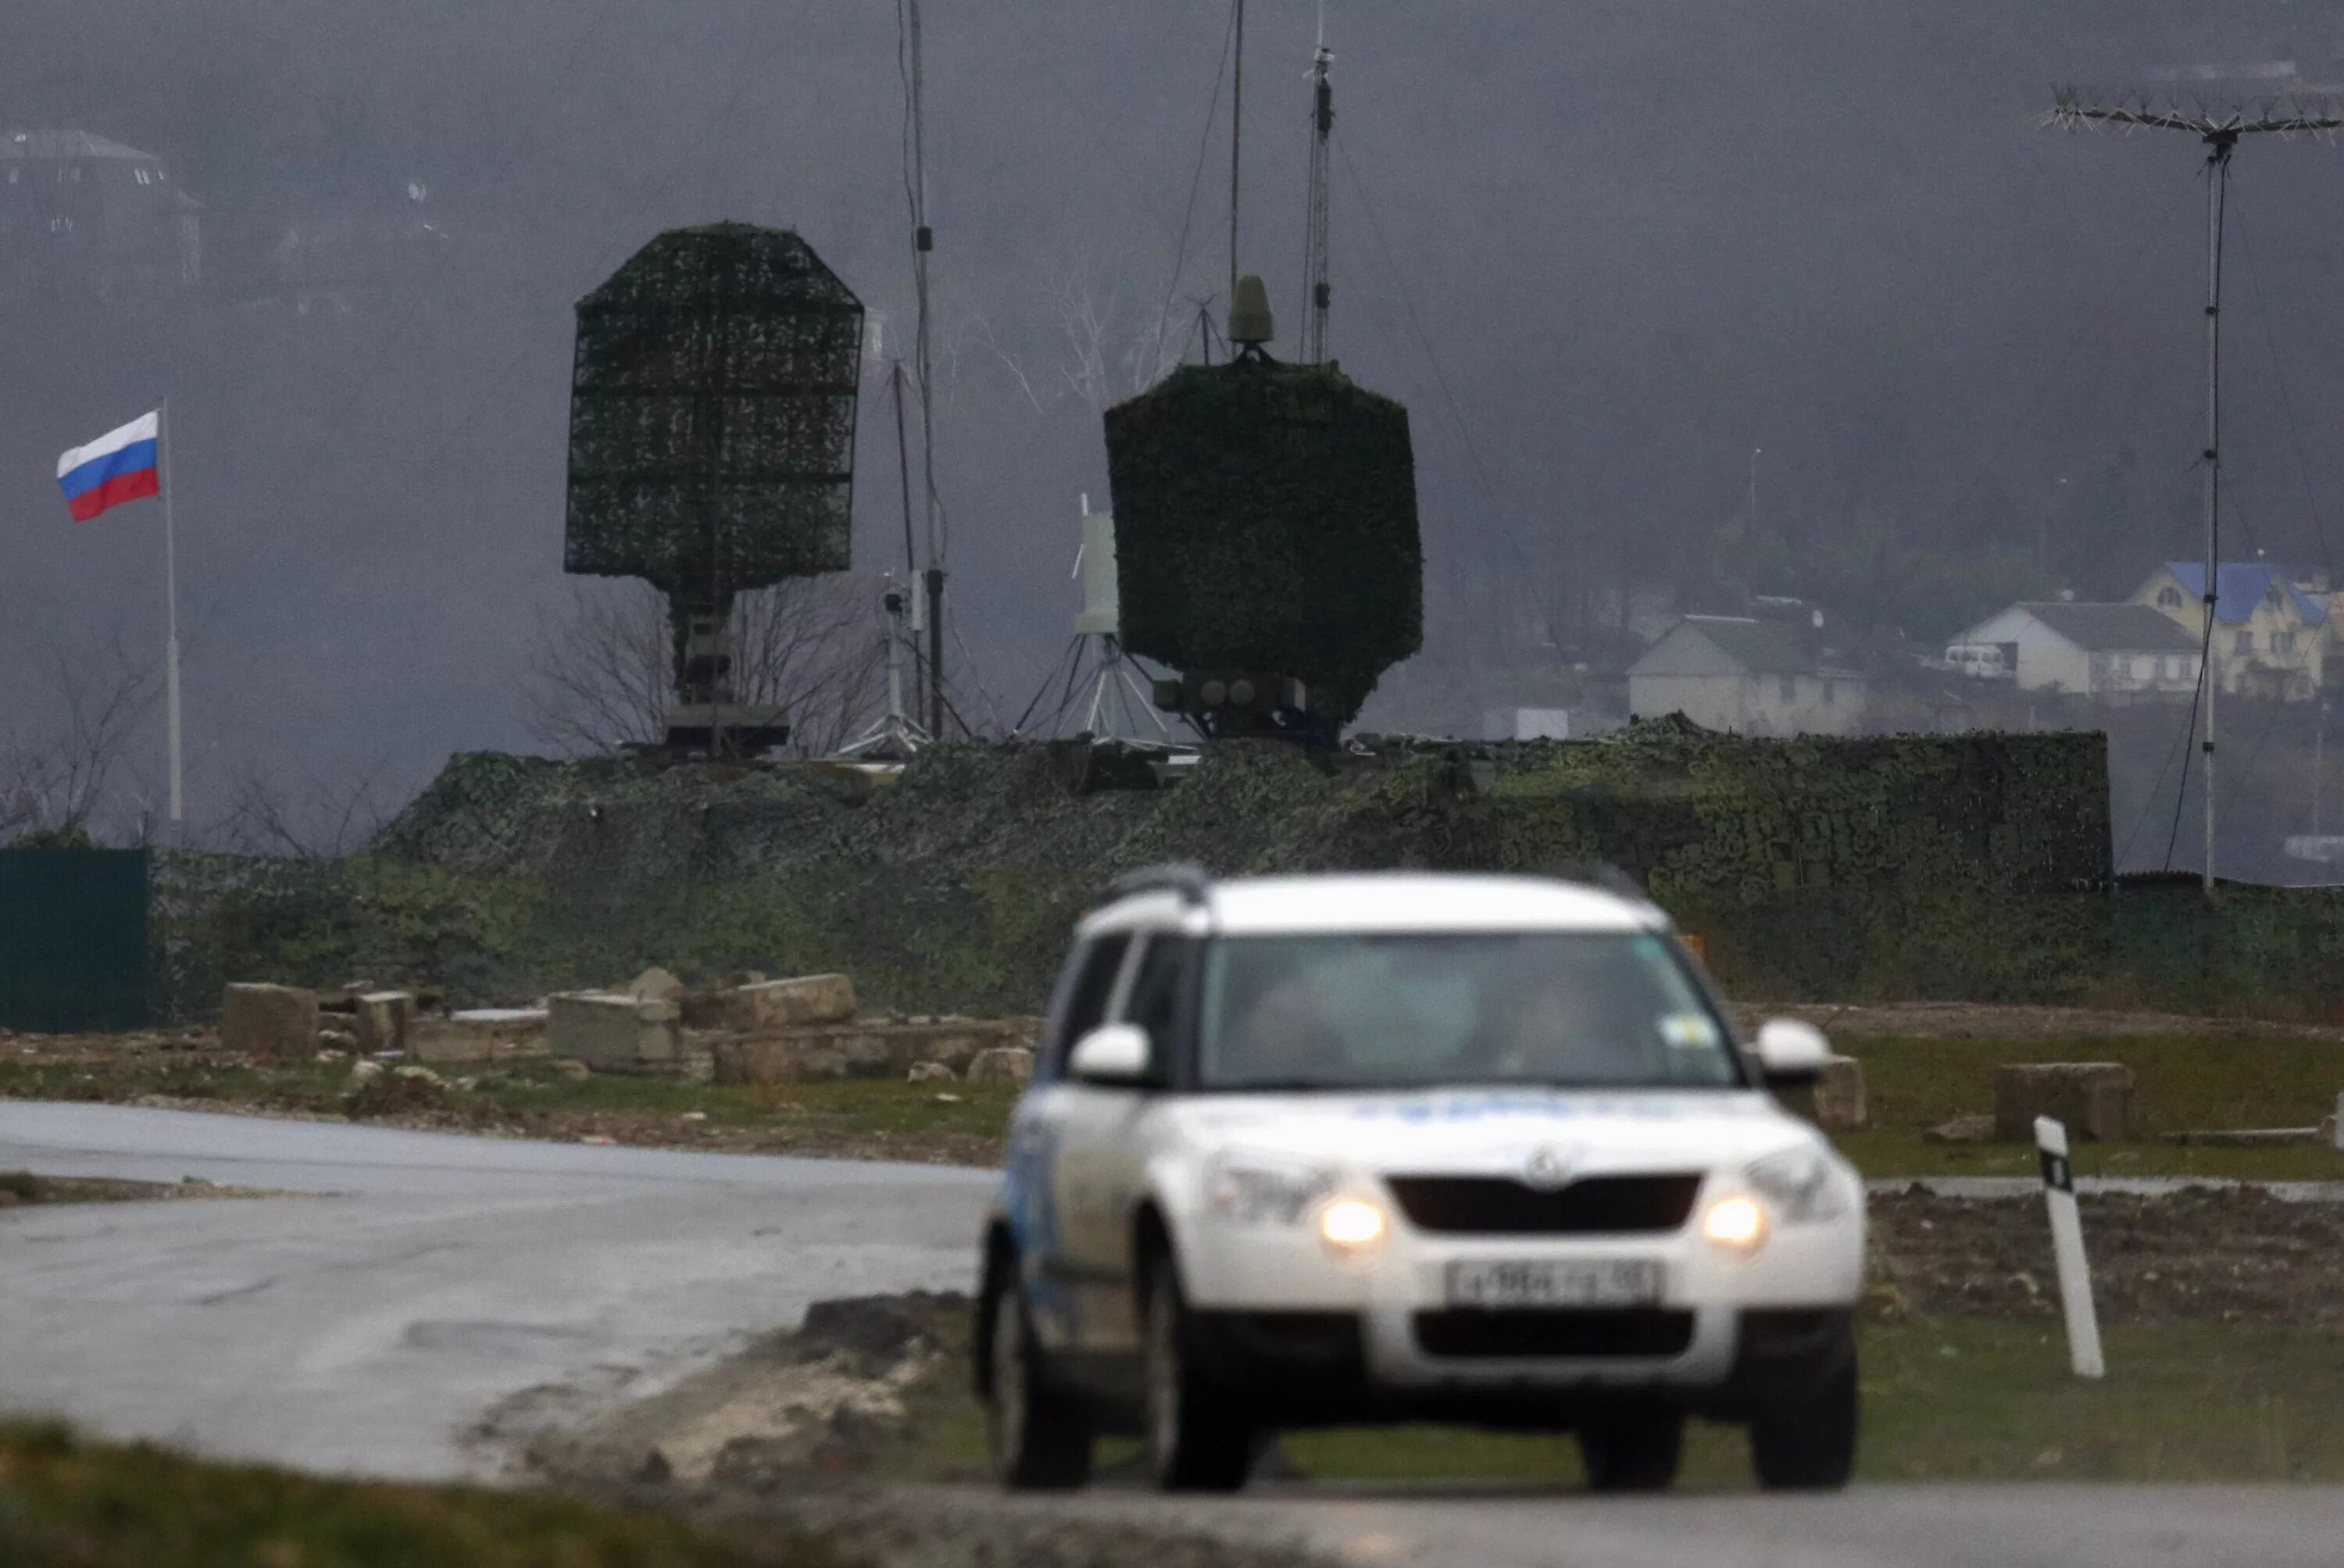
[1912, 1527]
[367, 1328]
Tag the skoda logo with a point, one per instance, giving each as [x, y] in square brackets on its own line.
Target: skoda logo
[1552, 1165]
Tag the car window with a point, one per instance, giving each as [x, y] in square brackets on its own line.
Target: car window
[1612, 1009]
[1154, 1000]
[1094, 986]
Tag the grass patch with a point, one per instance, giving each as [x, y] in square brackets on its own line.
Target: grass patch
[873, 1117]
[2199, 1080]
[66, 1500]
[1944, 1398]
[2181, 1083]
[1955, 1399]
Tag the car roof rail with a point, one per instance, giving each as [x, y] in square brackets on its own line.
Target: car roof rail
[1192, 882]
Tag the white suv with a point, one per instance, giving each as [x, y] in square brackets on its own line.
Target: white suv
[1320, 1149]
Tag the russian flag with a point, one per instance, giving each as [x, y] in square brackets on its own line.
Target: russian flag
[118, 466]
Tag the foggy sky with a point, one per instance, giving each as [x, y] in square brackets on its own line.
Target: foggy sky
[1602, 251]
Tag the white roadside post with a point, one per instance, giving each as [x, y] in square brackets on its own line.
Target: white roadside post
[2067, 1246]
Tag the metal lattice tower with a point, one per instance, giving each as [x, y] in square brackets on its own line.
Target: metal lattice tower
[2219, 128]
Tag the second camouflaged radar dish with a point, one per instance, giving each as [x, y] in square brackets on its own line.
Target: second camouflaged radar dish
[1266, 537]
[712, 445]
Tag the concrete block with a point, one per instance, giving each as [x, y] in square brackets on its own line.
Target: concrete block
[613, 1033]
[653, 984]
[269, 1020]
[931, 1073]
[482, 1035]
[1838, 1095]
[863, 1050]
[383, 1018]
[773, 1004]
[2092, 1099]
[1001, 1063]
[1835, 1100]
[1974, 1128]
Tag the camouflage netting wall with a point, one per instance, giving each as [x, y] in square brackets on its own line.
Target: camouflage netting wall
[1968, 867]
[711, 414]
[1265, 521]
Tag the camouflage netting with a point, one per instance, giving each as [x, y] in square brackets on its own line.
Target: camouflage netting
[1970, 868]
[711, 414]
[1265, 521]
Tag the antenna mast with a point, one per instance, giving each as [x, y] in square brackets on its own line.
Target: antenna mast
[2220, 130]
[1315, 259]
[1236, 136]
[923, 240]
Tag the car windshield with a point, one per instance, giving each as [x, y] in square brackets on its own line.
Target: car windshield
[1609, 1009]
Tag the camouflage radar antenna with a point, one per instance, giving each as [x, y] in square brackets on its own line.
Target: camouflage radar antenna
[2219, 126]
[712, 445]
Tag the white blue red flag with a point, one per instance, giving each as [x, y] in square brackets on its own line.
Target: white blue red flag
[118, 466]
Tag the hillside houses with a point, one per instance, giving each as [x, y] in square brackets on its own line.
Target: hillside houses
[1749, 676]
[2118, 655]
[2271, 637]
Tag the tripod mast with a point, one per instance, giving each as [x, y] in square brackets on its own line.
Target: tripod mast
[2220, 132]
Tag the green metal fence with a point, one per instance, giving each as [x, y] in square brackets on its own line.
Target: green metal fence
[72, 940]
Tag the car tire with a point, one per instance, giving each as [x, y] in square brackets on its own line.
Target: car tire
[1038, 1437]
[1803, 1438]
[1634, 1449]
[1196, 1441]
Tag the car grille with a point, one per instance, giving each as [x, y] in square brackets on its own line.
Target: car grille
[1466, 1332]
[1501, 1206]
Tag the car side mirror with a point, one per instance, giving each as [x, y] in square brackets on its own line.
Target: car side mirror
[1791, 1053]
[1111, 1054]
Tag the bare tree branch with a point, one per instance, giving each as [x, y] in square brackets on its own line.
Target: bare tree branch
[600, 671]
[57, 780]
[313, 819]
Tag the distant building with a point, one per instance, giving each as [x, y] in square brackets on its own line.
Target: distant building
[2114, 654]
[79, 211]
[1748, 676]
[2271, 637]
[1531, 725]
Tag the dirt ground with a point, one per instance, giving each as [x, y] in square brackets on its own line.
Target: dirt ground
[1986, 1021]
[2231, 1255]
[19, 1188]
[828, 1426]
[799, 1429]
[185, 1070]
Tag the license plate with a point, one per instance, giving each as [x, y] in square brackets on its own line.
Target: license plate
[1612, 1282]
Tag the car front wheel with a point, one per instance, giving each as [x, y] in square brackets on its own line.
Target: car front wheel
[1195, 1442]
[1634, 1449]
[1804, 1438]
[1038, 1437]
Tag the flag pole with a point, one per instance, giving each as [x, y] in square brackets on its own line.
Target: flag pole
[171, 597]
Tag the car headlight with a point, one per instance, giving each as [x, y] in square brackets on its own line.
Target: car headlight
[1736, 1223]
[1799, 1185]
[1352, 1227]
[1254, 1189]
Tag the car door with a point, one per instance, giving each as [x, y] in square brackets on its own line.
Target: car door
[1036, 1185]
[1104, 1145]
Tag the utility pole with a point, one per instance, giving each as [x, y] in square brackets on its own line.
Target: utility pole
[2220, 130]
